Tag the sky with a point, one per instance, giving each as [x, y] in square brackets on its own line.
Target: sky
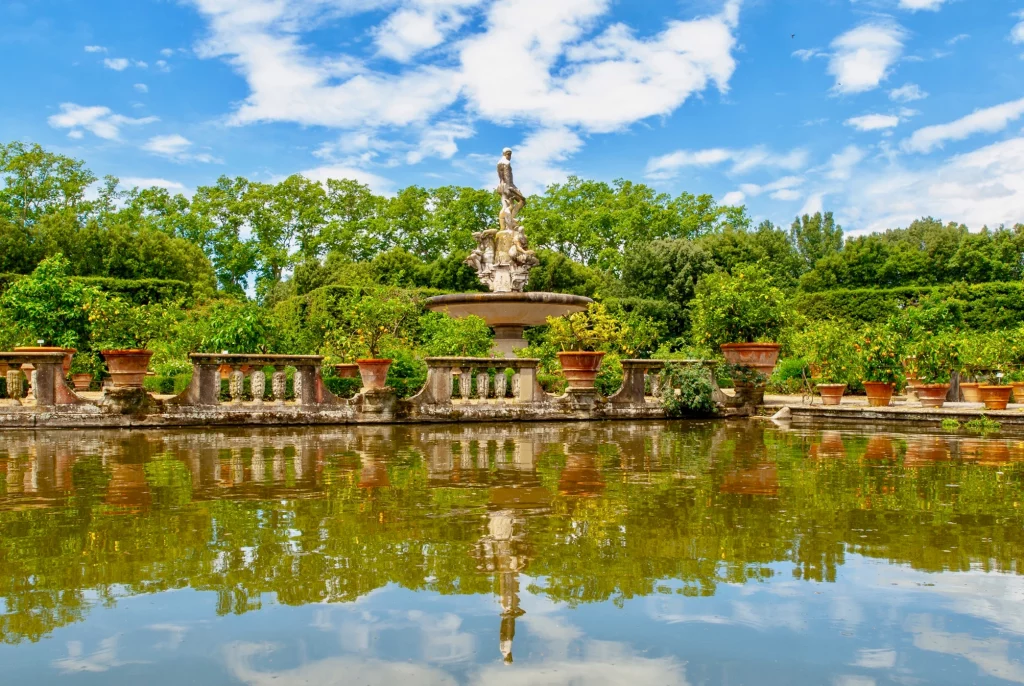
[879, 110]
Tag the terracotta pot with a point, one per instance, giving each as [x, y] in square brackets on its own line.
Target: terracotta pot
[374, 373]
[127, 367]
[925, 451]
[832, 393]
[580, 367]
[225, 371]
[995, 397]
[933, 394]
[879, 393]
[82, 382]
[971, 392]
[68, 353]
[1018, 393]
[759, 356]
[880, 447]
[346, 371]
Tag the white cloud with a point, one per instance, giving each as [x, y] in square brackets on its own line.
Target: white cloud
[915, 5]
[780, 189]
[116, 63]
[100, 121]
[141, 87]
[841, 165]
[439, 140]
[806, 55]
[907, 93]
[735, 198]
[957, 38]
[176, 147]
[140, 64]
[141, 182]
[743, 160]
[873, 122]
[95, 48]
[535, 160]
[862, 57]
[540, 71]
[982, 187]
[424, 25]
[1017, 33]
[989, 120]
[167, 52]
[162, 65]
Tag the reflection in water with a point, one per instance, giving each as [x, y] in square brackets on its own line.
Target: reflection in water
[539, 518]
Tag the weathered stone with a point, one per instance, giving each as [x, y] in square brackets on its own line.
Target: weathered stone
[500, 385]
[15, 384]
[236, 384]
[258, 385]
[466, 384]
[280, 386]
[483, 385]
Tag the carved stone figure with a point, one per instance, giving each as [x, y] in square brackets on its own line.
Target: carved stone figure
[502, 258]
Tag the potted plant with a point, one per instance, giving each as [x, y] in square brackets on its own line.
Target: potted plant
[378, 320]
[743, 315]
[121, 332]
[879, 353]
[83, 370]
[996, 396]
[936, 357]
[829, 350]
[580, 338]
[978, 353]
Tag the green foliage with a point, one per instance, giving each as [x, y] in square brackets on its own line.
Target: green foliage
[407, 374]
[118, 325]
[86, 363]
[745, 307]
[983, 425]
[49, 306]
[934, 358]
[609, 375]
[381, 319]
[880, 352]
[444, 336]
[686, 390]
[828, 347]
[591, 330]
[950, 425]
[816, 237]
[343, 388]
[236, 327]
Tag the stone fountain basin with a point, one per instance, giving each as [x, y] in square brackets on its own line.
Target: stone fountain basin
[509, 309]
[509, 313]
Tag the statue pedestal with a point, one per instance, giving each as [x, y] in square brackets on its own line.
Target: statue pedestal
[509, 339]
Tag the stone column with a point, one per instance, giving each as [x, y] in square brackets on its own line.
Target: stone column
[297, 386]
[517, 384]
[258, 385]
[466, 383]
[500, 384]
[280, 385]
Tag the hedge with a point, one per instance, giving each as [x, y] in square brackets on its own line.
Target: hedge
[985, 306]
[137, 291]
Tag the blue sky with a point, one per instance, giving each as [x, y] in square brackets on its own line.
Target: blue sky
[881, 110]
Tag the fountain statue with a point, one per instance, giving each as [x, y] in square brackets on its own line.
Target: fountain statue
[503, 260]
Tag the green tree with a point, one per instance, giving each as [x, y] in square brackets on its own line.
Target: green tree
[815, 237]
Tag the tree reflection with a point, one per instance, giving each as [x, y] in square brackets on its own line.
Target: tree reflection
[591, 512]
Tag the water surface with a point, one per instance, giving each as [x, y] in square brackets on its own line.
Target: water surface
[650, 553]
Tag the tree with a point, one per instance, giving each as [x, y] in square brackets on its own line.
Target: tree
[816, 237]
[667, 270]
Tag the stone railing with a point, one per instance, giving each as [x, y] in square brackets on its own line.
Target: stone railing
[451, 376]
[204, 390]
[45, 374]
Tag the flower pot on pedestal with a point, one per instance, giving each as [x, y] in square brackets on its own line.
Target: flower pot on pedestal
[1018, 392]
[879, 393]
[82, 382]
[580, 367]
[995, 397]
[374, 373]
[759, 356]
[933, 394]
[346, 371]
[127, 367]
[832, 393]
[971, 392]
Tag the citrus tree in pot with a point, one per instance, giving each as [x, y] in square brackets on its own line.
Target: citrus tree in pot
[935, 358]
[742, 314]
[879, 353]
[829, 350]
[122, 332]
[379, 320]
[583, 338]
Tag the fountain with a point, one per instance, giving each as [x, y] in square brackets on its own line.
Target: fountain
[502, 260]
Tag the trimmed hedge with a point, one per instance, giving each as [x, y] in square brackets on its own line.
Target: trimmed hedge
[985, 306]
[137, 291]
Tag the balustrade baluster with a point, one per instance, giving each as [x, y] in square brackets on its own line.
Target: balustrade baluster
[258, 386]
[655, 384]
[500, 384]
[237, 384]
[483, 385]
[279, 385]
[297, 386]
[517, 381]
[466, 383]
[15, 384]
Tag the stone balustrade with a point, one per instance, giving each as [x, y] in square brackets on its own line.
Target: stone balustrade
[46, 373]
[204, 389]
[448, 377]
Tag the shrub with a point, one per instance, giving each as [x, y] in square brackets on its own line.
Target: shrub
[238, 327]
[935, 358]
[609, 375]
[880, 351]
[443, 336]
[745, 307]
[48, 305]
[829, 350]
[118, 325]
[381, 318]
[687, 390]
[591, 330]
